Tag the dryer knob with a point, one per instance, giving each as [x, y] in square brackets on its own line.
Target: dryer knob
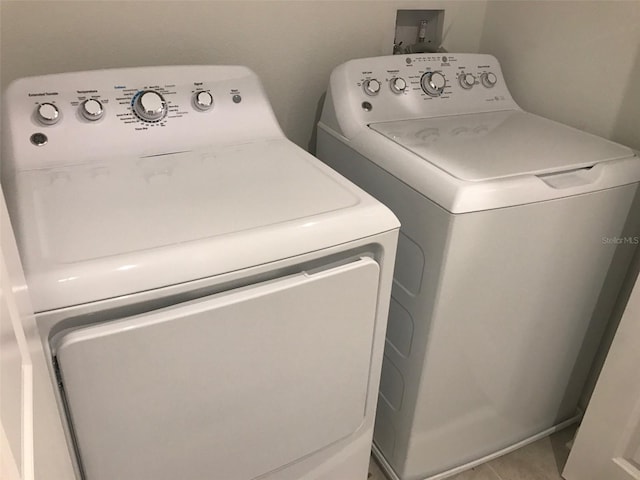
[92, 109]
[203, 101]
[488, 79]
[150, 106]
[398, 85]
[372, 87]
[47, 113]
[466, 80]
[433, 83]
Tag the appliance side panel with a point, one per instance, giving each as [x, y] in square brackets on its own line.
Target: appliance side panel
[423, 239]
[522, 305]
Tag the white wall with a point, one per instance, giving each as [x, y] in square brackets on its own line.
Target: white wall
[292, 45]
[577, 62]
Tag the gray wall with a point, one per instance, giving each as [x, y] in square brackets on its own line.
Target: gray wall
[577, 62]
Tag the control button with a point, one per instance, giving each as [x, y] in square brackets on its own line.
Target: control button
[398, 85]
[236, 98]
[39, 139]
[203, 101]
[47, 113]
[150, 106]
[433, 83]
[466, 80]
[92, 109]
[488, 79]
[372, 87]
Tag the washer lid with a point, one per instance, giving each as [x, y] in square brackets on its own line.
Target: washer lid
[489, 146]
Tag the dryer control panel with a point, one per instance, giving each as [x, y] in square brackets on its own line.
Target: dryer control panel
[77, 117]
[403, 87]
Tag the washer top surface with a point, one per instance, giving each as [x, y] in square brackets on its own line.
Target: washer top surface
[494, 145]
[447, 126]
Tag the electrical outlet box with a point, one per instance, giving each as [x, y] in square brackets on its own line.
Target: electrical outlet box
[418, 31]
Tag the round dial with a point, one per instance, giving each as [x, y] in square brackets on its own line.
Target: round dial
[398, 85]
[150, 106]
[47, 113]
[92, 109]
[488, 79]
[203, 101]
[466, 80]
[433, 83]
[371, 87]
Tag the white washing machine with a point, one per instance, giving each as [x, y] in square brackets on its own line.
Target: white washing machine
[515, 238]
[211, 300]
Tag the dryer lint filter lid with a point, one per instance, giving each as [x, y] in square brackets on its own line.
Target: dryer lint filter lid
[489, 146]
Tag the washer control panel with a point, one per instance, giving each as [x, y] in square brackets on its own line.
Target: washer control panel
[402, 87]
[136, 111]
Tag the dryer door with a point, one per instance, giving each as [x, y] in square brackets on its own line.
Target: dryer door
[231, 386]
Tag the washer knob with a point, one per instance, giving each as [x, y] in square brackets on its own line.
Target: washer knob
[398, 85]
[467, 80]
[92, 109]
[433, 83]
[203, 101]
[47, 113]
[150, 106]
[372, 87]
[488, 79]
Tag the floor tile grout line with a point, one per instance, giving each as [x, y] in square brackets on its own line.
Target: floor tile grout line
[494, 471]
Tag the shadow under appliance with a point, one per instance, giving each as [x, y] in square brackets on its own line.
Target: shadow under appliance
[512, 249]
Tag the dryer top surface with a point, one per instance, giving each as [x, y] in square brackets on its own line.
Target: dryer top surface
[140, 223]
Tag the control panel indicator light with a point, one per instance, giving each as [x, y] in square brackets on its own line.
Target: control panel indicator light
[38, 139]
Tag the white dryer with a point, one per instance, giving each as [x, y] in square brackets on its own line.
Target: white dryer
[211, 300]
[515, 237]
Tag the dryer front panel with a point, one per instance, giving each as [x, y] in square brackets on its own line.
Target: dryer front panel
[230, 386]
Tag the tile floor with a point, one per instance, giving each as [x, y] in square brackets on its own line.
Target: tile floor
[541, 460]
